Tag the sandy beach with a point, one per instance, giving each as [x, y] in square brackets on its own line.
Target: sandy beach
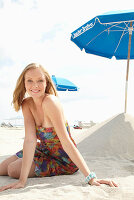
[108, 148]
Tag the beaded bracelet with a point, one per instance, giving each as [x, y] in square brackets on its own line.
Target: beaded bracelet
[90, 176]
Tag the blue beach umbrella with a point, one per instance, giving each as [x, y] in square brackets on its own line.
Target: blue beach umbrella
[108, 35]
[63, 84]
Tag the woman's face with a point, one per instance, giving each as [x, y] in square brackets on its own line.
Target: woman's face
[35, 82]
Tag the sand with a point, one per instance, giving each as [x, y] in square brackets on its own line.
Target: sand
[108, 149]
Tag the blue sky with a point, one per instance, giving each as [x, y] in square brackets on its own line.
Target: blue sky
[40, 31]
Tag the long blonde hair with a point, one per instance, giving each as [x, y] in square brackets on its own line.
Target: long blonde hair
[19, 92]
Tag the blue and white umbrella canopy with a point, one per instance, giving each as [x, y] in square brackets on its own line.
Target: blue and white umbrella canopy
[108, 35]
[63, 84]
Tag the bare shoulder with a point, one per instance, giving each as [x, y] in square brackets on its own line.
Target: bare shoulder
[27, 102]
[51, 102]
[54, 110]
[51, 98]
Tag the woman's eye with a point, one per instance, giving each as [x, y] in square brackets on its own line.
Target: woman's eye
[29, 80]
[40, 80]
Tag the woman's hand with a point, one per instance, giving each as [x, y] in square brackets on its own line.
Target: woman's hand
[98, 182]
[15, 185]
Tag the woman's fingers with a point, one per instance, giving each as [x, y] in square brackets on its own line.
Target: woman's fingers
[107, 182]
[11, 186]
[114, 184]
[98, 182]
[5, 188]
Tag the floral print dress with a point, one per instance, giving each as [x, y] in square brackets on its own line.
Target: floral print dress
[50, 158]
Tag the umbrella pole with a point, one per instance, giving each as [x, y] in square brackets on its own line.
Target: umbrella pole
[128, 59]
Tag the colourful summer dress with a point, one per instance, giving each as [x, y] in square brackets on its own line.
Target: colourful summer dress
[50, 158]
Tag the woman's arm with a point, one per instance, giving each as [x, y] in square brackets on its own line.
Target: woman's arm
[53, 110]
[29, 144]
[28, 149]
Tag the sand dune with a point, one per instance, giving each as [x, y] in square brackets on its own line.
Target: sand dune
[114, 137]
[108, 149]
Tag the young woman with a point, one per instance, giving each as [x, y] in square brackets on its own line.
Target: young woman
[55, 153]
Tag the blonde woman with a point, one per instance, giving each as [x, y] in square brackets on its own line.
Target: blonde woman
[56, 152]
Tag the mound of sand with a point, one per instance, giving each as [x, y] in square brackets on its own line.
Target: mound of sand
[114, 137]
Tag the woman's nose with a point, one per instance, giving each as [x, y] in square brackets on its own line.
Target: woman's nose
[36, 84]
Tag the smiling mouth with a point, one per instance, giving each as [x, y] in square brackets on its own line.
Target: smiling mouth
[35, 91]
